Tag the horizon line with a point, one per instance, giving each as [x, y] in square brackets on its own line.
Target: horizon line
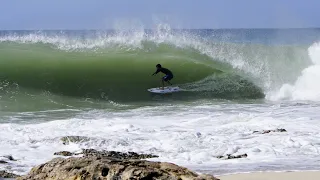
[97, 29]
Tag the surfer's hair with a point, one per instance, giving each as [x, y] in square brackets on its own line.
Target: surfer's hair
[158, 65]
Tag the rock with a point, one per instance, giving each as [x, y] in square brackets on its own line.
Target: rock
[63, 153]
[3, 162]
[104, 154]
[92, 167]
[4, 174]
[268, 131]
[75, 139]
[9, 157]
[229, 156]
[115, 154]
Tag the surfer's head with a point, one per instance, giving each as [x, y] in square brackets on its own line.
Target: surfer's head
[158, 65]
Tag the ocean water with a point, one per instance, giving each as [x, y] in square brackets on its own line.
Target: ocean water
[94, 84]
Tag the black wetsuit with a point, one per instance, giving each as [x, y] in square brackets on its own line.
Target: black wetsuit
[168, 74]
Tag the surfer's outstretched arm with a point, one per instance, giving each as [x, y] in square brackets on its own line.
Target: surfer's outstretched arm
[156, 72]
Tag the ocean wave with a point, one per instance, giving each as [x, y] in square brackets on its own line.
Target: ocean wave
[117, 66]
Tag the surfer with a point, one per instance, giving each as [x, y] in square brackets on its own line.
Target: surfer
[168, 74]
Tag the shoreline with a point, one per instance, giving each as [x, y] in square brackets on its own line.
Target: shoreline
[273, 175]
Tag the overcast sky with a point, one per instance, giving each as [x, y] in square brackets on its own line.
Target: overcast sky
[106, 14]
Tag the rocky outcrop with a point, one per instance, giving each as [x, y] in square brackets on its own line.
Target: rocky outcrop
[104, 168]
[107, 154]
[115, 154]
[63, 153]
[4, 174]
[108, 165]
[229, 156]
[269, 131]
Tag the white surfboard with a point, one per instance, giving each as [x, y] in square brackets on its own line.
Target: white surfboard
[165, 90]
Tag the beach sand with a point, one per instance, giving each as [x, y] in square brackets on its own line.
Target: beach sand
[301, 175]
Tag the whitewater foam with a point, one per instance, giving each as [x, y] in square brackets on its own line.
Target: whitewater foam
[307, 86]
[189, 135]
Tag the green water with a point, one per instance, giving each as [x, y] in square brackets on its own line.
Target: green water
[114, 74]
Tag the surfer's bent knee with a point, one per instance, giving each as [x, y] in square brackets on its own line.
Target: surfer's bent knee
[167, 78]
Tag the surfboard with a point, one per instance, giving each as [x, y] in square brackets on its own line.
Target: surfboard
[165, 90]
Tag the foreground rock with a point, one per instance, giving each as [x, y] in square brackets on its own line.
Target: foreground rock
[63, 153]
[107, 154]
[115, 154]
[91, 167]
[4, 174]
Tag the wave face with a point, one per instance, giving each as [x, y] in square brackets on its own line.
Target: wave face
[117, 65]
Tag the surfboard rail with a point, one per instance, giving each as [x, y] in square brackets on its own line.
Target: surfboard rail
[165, 90]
